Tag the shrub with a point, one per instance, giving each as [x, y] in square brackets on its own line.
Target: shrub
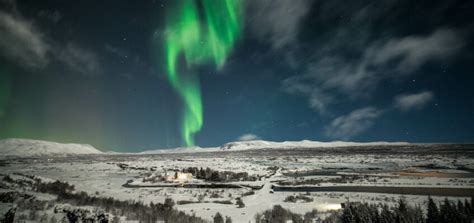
[218, 218]
[248, 193]
[223, 202]
[240, 203]
[294, 199]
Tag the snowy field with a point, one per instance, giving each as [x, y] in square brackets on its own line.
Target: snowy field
[260, 178]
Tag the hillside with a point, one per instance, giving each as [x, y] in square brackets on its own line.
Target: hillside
[261, 144]
[28, 148]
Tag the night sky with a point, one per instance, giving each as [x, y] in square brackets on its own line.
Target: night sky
[100, 72]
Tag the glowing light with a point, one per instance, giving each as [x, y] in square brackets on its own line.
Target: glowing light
[184, 176]
[198, 40]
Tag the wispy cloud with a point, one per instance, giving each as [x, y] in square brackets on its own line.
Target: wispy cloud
[53, 16]
[79, 59]
[391, 59]
[411, 52]
[317, 98]
[352, 50]
[406, 102]
[277, 21]
[21, 41]
[116, 51]
[346, 126]
[248, 137]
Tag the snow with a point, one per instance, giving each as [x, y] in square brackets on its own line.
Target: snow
[192, 149]
[31, 148]
[102, 176]
[261, 144]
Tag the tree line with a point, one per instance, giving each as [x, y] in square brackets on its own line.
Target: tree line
[445, 212]
[209, 174]
[132, 210]
[355, 212]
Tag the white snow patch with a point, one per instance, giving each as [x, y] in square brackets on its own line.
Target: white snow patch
[28, 148]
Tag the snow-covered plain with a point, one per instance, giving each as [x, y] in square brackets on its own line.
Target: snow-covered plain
[303, 163]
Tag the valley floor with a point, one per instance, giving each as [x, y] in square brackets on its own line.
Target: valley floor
[241, 184]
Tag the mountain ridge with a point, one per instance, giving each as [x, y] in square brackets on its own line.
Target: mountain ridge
[30, 148]
[262, 144]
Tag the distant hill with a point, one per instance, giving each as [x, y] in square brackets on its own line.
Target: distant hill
[181, 150]
[31, 148]
[261, 144]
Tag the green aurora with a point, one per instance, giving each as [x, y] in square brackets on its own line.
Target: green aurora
[206, 37]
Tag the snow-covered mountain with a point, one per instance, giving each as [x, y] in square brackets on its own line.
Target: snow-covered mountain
[31, 148]
[28, 147]
[181, 150]
[261, 144]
